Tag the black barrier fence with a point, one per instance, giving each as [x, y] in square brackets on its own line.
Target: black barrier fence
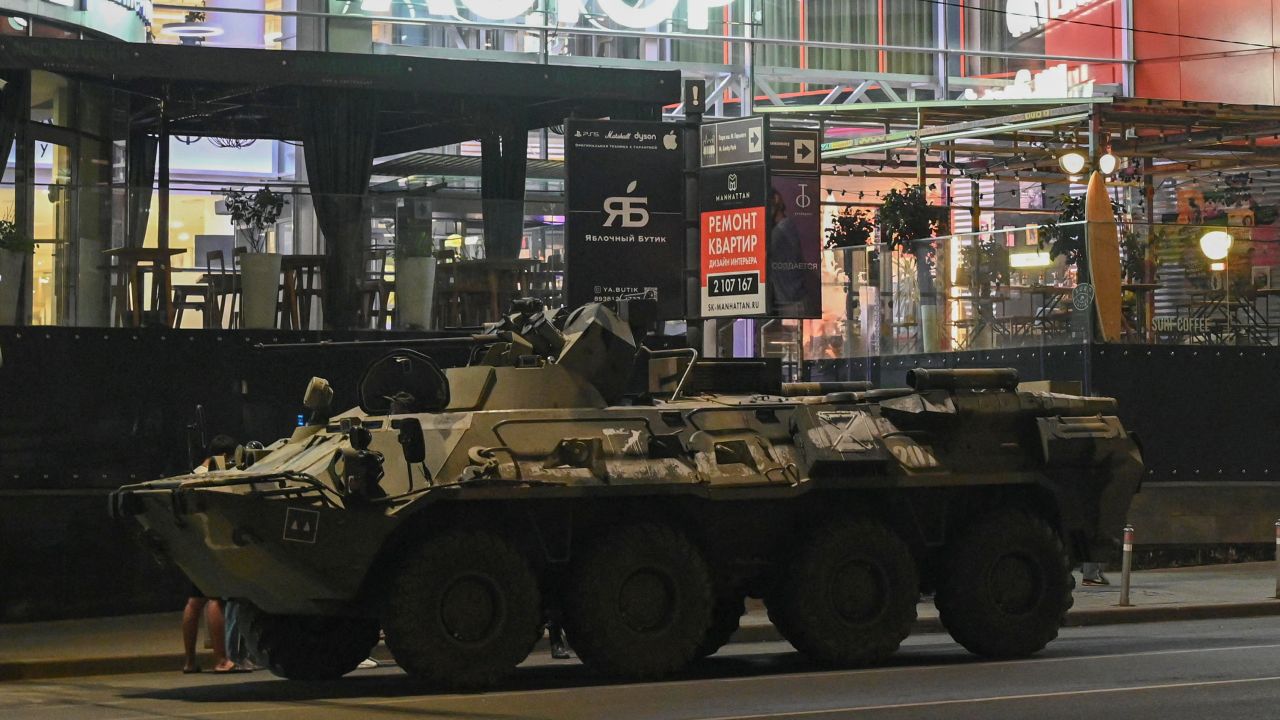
[83, 411]
[1201, 413]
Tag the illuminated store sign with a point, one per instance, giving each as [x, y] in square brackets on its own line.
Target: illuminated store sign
[627, 13]
[141, 8]
[1024, 17]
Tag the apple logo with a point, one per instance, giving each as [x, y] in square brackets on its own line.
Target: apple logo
[669, 140]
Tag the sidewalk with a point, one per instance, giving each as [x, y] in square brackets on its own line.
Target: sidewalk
[152, 643]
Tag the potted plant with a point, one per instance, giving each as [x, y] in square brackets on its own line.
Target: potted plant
[415, 280]
[851, 228]
[1068, 241]
[907, 220]
[984, 265]
[15, 247]
[252, 213]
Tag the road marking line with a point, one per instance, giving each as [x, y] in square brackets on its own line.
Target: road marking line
[996, 698]
[336, 703]
[1023, 662]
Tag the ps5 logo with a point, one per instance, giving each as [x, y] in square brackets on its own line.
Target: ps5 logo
[632, 211]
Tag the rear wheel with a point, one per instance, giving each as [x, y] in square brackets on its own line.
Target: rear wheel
[639, 602]
[1007, 586]
[850, 598]
[463, 610]
[303, 647]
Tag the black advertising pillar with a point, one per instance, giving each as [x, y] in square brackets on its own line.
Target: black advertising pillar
[695, 103]
[625, 230]
[795, 223]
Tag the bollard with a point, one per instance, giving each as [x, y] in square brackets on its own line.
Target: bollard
[1278, 558]
[1126, 566]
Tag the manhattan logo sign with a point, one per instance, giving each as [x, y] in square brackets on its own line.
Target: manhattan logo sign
[627, 13]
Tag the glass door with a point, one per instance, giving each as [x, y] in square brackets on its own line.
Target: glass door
[53, 229]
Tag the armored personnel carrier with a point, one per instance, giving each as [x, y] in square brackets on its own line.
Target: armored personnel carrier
[569, 474]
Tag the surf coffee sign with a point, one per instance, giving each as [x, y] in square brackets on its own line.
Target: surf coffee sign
[625, 232]
[636, 14]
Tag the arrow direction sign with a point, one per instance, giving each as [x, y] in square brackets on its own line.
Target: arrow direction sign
[794, 152]
[753, 139]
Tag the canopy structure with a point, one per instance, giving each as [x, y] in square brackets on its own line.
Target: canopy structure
[422, 102]
[345, 109]
[1023, 138]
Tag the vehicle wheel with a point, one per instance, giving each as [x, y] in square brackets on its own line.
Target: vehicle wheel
[726, 615]
[303, 647]
[463, 610]
[1007, 585]
[639, 602]
[850, 597]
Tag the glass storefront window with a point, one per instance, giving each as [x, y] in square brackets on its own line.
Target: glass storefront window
[51, 99]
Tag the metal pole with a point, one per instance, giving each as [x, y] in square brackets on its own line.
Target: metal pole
[1278, 559]
[1126, 566]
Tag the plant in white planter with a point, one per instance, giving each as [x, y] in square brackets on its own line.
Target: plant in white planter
[415, 282]
[252, 213]
[15, 246]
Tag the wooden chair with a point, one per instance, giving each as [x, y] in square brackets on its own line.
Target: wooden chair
[224, 291]
[191, 297]
[375, 290]
[120, 308]
[303, 287]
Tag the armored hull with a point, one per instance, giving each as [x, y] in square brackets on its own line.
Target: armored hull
[462, 510]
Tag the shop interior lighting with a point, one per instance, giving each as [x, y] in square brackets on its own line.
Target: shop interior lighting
[191, 29]
[1216, 244]
[1108, 163]
[1072, 162]
[1030, 260]
[375, 5]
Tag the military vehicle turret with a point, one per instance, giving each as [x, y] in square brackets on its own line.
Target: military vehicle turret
[568, 473]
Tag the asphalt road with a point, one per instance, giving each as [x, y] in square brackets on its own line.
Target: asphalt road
[1194, 670]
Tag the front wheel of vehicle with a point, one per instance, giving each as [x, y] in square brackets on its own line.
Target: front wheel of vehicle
[304, 647]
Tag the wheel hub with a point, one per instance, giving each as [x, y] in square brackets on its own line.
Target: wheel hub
[857, 591]
[1017, 584]
[646, 600]
[471, 609]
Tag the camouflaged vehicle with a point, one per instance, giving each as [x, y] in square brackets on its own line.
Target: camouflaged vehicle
[570, 475]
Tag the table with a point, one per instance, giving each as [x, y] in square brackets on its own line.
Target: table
[134, 261]
[1229, 319]
[470, 288]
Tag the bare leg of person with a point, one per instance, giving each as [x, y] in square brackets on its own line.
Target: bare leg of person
[218, 631]
[190, 632]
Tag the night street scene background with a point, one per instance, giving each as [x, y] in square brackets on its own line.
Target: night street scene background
[690, 359]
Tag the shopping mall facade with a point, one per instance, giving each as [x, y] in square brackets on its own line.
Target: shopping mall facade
[72, 163]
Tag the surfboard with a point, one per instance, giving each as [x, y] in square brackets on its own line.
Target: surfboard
[1103, 255]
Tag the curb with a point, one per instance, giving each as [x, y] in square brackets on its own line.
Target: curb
[750, 632]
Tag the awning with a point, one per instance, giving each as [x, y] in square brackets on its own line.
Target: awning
[423, 102]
